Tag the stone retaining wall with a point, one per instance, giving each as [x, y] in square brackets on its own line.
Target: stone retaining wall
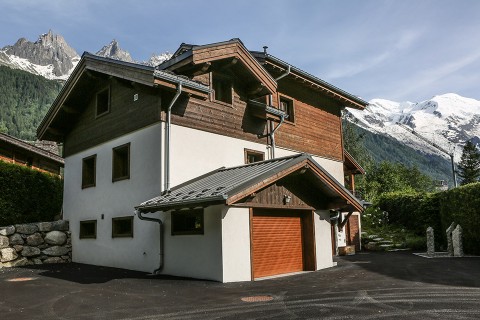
[35, 243]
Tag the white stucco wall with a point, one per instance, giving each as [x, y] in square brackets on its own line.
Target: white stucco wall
[115, 199]
[236, 244]
[323, 239]
[196, 256]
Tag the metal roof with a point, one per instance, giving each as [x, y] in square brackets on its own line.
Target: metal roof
[31, 148]
[221, 184]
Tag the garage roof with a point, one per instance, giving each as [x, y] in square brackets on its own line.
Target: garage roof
[230, 185]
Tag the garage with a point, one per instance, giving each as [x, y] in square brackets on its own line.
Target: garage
[278, 243]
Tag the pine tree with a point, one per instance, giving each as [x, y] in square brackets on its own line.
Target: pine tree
[469, 166]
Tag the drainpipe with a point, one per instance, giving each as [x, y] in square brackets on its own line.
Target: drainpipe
[167, 139]
[160, 224]
[282, 118]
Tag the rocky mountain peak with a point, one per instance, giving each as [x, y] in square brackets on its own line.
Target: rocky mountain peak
[113, 50]
[49, 49]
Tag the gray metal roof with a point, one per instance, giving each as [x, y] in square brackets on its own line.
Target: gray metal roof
[31, 148]
[221, 184]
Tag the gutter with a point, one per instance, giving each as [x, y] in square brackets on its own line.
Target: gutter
[160, 224]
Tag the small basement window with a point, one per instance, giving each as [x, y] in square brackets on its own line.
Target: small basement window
[252, 156]
[88, 229]
[122, 227]
[223, 88]
[103, 102]
[286, 105]
[88, 171]
[121, 163]
[187, 222]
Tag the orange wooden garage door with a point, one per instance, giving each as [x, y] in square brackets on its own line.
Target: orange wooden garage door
[277, 245]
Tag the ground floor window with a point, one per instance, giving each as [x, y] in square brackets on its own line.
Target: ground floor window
[122, 227]
[88, 229]
[187, 222]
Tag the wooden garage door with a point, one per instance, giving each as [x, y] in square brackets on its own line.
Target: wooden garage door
[277, 245]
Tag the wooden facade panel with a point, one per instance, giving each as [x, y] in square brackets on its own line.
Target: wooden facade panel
[125, 115]
[353, 232]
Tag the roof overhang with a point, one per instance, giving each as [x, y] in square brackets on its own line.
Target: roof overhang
[351, 164]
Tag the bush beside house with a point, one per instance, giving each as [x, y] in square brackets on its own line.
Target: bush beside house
[416, 212]
[28, 195]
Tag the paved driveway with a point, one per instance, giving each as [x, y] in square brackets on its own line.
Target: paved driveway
[364, 286]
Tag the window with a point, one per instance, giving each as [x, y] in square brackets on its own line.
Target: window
[121, 163]
[223, 88]
[252, 156]
[88, 171]
[103, 102]
[88, 229]
[122, 227]
[187, 222]
[286, 105]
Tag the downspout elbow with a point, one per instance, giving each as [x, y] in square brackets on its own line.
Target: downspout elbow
[285, 74]
[160, 224]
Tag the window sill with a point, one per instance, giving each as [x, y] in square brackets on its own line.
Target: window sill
[120, 179]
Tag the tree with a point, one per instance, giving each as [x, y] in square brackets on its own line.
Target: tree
[469, 166]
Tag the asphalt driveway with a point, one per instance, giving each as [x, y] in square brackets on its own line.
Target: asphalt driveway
[363, 286]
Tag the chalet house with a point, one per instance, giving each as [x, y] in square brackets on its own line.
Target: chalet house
[220, 163]
[17, 151]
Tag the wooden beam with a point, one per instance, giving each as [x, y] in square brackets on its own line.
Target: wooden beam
[203, 69]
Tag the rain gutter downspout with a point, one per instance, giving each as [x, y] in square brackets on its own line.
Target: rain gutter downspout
[167, 139]
[282, 118]
[160, 224]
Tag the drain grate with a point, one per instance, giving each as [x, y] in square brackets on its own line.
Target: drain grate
[257, 299]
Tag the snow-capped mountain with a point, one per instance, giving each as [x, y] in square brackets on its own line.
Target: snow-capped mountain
[51, 57]
[447, 120]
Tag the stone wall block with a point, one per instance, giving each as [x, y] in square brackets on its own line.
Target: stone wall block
[56, 251]
[17, 263]
[53, 260]
[30, 251]
[4, 242]
[55, 238]
[45, 226]
[18, 247]
[7, 231]
[35, 239]
[16, 238]
[60, 225]
[8, 254]
[26, 228]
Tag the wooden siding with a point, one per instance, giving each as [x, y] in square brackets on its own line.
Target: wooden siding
[125, 115]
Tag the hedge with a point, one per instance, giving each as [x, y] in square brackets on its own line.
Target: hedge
[416, 212]
[28, 195]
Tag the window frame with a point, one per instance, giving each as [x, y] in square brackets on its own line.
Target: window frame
[88, 236]
[97, 114]
[178, 213]
[248, 152]
[115, 233]
[221, 78]
[291, 107]
[94, 172]
[115, 152]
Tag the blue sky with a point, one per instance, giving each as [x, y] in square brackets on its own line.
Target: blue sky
[398, 50]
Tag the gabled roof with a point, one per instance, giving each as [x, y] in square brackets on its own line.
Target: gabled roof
[30, 148]
[312, 81]
[351, 164]
[230, 185]
[82, 75]
[233, 50]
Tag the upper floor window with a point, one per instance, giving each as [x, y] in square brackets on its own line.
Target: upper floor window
[121, 162]
[89, 165]
[102, 102]
[286, 105]
[187, 222]
[252, 156]
[222, 87]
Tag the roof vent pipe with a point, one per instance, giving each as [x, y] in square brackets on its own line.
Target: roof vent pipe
[167, 138]
[265, 49]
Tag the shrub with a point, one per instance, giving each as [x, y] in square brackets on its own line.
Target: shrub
[28, 195]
